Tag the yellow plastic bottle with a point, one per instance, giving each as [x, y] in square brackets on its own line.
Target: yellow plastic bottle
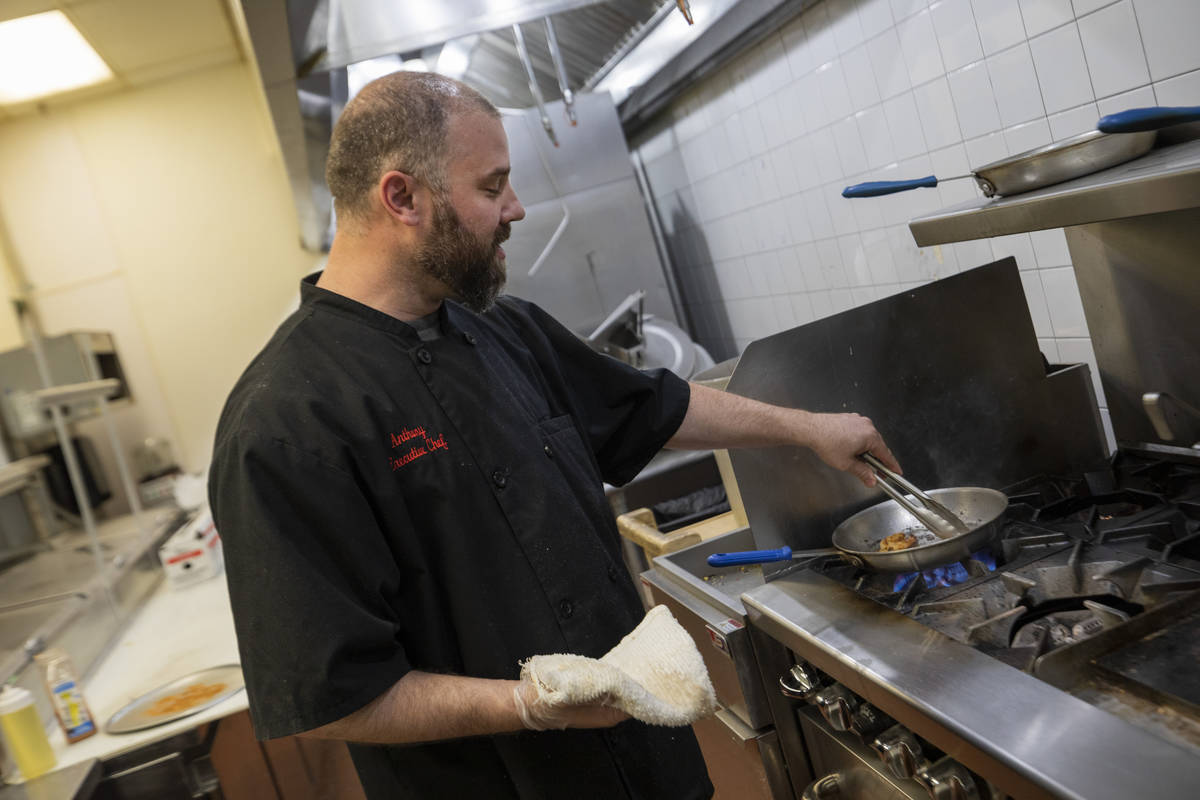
[24, 734]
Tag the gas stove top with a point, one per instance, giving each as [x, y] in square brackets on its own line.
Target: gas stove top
[1093, 586]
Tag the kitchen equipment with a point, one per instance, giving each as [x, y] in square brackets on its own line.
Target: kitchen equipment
[193, 553]
[180, 698]
[1042, 166]
[740, 736]
[26, 521]
[941, 521]
[857, 539]
[1085, 622]
[71, 358]
[1147, 119]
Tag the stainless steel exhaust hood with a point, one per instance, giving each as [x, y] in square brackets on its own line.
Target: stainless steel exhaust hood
[303, 48]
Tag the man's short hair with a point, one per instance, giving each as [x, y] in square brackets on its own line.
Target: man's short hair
[397, 122]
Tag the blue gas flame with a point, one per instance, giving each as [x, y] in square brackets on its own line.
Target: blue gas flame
[949, 575]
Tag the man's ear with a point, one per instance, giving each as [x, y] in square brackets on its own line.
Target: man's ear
[397, 193]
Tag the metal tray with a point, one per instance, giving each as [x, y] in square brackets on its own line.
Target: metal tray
[136, 717]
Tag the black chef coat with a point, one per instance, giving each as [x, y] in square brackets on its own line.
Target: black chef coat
[389, 504]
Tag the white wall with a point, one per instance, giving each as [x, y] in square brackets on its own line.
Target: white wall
[162, 214]
[748, 167]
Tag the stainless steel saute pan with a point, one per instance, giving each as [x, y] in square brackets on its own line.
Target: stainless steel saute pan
[857, 538]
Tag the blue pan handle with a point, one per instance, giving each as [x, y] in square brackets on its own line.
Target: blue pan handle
[1147, 119]
[750, 557]
[877, 188]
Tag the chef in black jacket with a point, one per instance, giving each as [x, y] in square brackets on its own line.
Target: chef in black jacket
[408, 482]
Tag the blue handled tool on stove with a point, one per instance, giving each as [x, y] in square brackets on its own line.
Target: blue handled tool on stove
[784, 553]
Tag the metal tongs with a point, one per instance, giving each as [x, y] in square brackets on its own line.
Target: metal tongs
[943, 522]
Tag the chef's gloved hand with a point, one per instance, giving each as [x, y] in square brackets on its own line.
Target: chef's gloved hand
[538, 713]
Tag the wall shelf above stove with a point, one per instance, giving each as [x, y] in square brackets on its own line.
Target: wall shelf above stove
[1166, 179]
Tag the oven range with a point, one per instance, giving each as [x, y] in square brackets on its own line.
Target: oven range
[1064, 665]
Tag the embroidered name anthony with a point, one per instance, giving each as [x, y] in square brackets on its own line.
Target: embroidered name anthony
[405, 434]
[428, 445]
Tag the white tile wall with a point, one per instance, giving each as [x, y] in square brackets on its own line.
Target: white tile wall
[1062, 71]
[1114, 52]
[1000, 25]
[749, 165]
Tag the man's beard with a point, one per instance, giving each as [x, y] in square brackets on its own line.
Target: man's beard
[470, 266]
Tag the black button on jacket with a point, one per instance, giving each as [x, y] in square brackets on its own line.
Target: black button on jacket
[387, 504]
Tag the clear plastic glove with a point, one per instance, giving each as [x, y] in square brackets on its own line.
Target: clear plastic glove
[539, 713]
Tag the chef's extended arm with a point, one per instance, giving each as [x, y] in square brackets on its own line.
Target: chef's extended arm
[428, 707]
[723, 420]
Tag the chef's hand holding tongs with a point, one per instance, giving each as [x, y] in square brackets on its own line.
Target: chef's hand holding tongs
[841, 438]
[943, 522]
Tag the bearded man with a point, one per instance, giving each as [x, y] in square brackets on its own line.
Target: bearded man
[408, 481]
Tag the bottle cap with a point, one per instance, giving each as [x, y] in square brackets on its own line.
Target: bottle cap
[48, 655]
[14, 698]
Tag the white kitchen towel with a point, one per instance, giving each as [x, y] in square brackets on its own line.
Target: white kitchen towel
[655, 674]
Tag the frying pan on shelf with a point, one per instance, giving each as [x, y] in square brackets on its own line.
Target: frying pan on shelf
[1119, 138]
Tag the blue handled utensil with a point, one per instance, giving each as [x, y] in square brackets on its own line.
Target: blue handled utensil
[784, 553]
[879, 188]
[1147, 119]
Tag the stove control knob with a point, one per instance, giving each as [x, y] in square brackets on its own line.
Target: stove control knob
[899, 750]
[837, 706]
[946, 779]
[826, 788]
[801, 683]
[868, 722]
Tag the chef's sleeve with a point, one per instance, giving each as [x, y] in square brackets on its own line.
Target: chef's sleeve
[309, 572]
[628, 414]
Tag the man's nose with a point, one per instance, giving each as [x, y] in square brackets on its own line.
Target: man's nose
[513, 210]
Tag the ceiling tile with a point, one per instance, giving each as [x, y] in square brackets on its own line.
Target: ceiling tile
[136, 34]
[11, 9]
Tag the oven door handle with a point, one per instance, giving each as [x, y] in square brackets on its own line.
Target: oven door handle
[827, 788]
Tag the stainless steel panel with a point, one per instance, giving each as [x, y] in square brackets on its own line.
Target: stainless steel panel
[950, 374]
[1024, 736]
[1167, 179]
[1139, 280]
[592, 154]
[360, 30]
[724, 644]
[860, 774]
[742, 760]
[774, 660]
[607, 249]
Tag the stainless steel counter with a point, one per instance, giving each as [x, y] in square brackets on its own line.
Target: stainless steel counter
[1024, 736]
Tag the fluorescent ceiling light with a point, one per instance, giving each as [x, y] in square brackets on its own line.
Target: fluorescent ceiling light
[361, 73]
[668, 39]
[455, 57]
[44, 54]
